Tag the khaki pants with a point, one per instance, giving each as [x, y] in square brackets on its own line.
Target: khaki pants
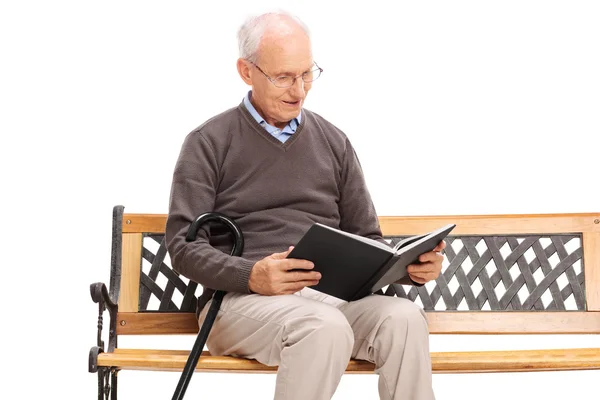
[312, 336]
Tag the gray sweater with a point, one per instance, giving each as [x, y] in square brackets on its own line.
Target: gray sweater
[274, 191]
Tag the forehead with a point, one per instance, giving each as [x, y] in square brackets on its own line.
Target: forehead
[285, 54]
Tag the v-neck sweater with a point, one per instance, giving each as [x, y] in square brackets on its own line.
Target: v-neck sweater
[274, 191]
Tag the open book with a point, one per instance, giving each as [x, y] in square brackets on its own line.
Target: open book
[353, 266]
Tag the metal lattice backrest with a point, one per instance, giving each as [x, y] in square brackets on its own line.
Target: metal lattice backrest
[162, 288]
[479, 273]
[505, 273]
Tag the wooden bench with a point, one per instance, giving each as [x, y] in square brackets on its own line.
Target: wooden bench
[503, 274]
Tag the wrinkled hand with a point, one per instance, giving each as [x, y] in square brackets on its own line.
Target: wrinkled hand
[272, 276]
[430, 267]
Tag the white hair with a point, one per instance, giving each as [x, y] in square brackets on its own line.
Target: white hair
[251, 32]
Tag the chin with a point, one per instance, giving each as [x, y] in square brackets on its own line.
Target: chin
[293, 113]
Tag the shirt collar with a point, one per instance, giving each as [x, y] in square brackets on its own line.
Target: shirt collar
[289, 128]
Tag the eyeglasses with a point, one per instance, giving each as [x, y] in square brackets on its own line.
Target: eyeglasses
[286, 81]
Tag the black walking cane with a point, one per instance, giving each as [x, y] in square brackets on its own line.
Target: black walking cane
[238, 247]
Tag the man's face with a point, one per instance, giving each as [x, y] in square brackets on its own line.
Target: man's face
[281, 56]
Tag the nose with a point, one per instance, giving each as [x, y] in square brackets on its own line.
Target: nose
[297, 89]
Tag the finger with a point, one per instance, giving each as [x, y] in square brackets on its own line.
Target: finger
[426, 274]
[424, 268]
[299, 276]
[441, 246]
[431, 256]
[417, 279]
[427, 270]
[423, 277]
[296, 264]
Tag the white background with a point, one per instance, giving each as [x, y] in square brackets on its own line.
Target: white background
[454, 107]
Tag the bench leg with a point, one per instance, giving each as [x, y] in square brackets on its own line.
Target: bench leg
[101, 383]
[107, 383]
[113, 383]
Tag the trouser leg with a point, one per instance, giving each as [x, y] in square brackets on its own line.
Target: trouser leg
[392, 333]
[310, 341]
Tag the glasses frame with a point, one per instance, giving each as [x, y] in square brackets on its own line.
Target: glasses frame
[272, 80]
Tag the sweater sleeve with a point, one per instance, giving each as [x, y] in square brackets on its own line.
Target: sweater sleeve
[193, 192]
[357, 211]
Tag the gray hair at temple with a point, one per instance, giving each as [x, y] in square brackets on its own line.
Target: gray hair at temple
[252, 31]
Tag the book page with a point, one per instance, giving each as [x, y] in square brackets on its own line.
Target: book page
[361, 238]
[416, 240]
[407, 241]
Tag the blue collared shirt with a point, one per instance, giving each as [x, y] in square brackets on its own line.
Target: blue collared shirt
[281, 134]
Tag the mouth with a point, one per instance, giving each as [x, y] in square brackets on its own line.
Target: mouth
[292, 103]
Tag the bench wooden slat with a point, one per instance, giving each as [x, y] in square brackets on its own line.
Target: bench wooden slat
[130, 272]
[591, 262]
[446, 322]
[442, 362]
[410, 225]
[521, 224]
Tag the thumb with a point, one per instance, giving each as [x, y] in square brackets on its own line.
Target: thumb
[282, 255]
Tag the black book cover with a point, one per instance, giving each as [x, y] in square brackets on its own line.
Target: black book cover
[352, 266]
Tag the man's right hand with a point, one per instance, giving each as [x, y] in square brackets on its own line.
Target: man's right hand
[272, 275]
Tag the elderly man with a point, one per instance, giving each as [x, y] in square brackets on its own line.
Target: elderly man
[277, 168]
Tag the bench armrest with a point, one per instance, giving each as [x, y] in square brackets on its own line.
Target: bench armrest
[100, 295]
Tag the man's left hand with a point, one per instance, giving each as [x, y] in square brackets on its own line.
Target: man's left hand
[430, 265]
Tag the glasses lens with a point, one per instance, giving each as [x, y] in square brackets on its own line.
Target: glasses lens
[311, 75]
[283, 81]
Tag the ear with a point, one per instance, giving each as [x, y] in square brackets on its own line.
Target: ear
[243, 68]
